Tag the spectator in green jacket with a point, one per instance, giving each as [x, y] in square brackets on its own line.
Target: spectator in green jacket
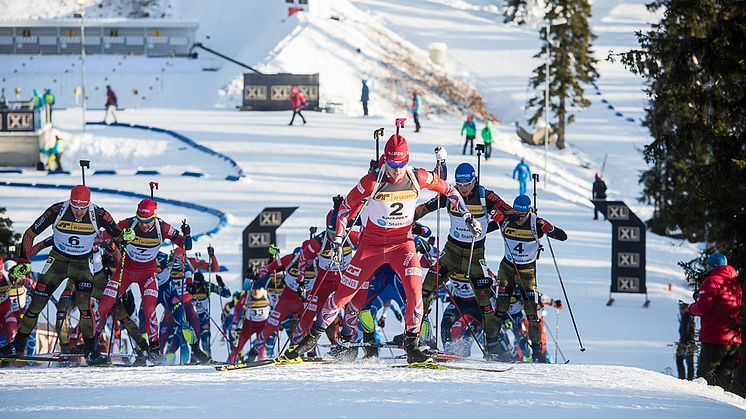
[487, 139]
[49, 99]
[471, 131]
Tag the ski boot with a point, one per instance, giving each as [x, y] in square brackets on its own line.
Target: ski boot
[539, 357]
[92, 350]
[15, 348]
[494, 351]
[414, 354]
[198, 355]
[251, 356]
[371, 352]
[398, 340]
[305, 345]
[154, 353]
[141, 356]
[342, 353]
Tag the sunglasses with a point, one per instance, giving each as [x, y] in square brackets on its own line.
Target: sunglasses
[145, 220]
[396, 165]
[464, 184]
[84, 207]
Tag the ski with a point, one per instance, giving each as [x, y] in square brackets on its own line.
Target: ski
[436, 366]
[32, 358]
[271, 362]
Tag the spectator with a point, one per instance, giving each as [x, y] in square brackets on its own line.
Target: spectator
[111, 104]
[487, 139]
[599, 192]
[523, 173]
[57, 150]
[718, 303]
[686, 346]
[471, 131]
[49, 99]
[38, 100]
[299, 102]
[416, 111]
[364, 95]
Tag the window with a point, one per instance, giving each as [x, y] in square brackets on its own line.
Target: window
[114, 33]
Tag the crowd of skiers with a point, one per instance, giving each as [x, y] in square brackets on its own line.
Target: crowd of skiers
[341, 281]
[100, 259]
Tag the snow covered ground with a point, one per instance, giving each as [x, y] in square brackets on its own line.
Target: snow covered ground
[360, 391]
[625, 368]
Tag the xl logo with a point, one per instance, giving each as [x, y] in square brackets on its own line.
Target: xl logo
[270, 218]
[259, 239]
[629, 234]
[20, 121]
[617, 212]
[255, 93]
[628, 260]
[255, 264]
[628, 284]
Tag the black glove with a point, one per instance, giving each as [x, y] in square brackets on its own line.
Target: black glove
[423, 246]
[210, 251]
[302, 291]
[382, 322]
[191, 288]
[558, 303]
[220, 281]
[558, 234]
[185, 229]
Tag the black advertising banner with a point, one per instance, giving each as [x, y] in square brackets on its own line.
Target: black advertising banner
[627, 247]
[260, 234]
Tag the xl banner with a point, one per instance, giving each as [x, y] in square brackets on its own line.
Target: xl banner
[627, 247]
[260, 234]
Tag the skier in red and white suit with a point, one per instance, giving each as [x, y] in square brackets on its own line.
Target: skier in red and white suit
[140, 266]
[391, 197]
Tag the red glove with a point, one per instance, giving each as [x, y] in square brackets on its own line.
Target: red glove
[498, 217]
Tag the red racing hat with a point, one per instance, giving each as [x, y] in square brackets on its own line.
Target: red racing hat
[80, 196]
[396, 151]
[146, 210]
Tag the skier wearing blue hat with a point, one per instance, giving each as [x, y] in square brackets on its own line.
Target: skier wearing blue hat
[485, 205]
[522, 231]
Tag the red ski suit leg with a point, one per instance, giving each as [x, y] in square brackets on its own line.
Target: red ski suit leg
[247, 330]
[146, 280]
[289, 303]
[8, 320]
[402, 257]
[319, 294]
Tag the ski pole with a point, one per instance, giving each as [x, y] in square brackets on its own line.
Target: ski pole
[569, 307]
[153, 185]
[119, 283]
[84, 164]
[399, 122]
[59, 329]
[437, 260]
[377, 134]
[480, 148]
[556, 333]
[556, 345]
[535, 177]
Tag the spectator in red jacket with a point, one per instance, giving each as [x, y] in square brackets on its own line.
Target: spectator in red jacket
[298, 101]
[718, 303]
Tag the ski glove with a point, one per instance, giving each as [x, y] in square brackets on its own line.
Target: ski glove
[128, 234]
[473, 224]
[185, 229]
[20, 270]
[440, 154]
[382, 322]
[337, 251]
[210, 251]
[218, 278]
[422, 245]
[302, 292]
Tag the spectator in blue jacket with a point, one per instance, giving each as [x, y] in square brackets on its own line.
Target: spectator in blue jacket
[522, 172]
[364, 95]
[416, 111]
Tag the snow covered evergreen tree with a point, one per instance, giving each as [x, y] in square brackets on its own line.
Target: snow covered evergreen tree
[694, 63]
[571, 64]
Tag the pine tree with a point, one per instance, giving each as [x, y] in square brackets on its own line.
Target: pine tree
[571, 64]
[7, 237]
[696, 71]
[515, 11]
